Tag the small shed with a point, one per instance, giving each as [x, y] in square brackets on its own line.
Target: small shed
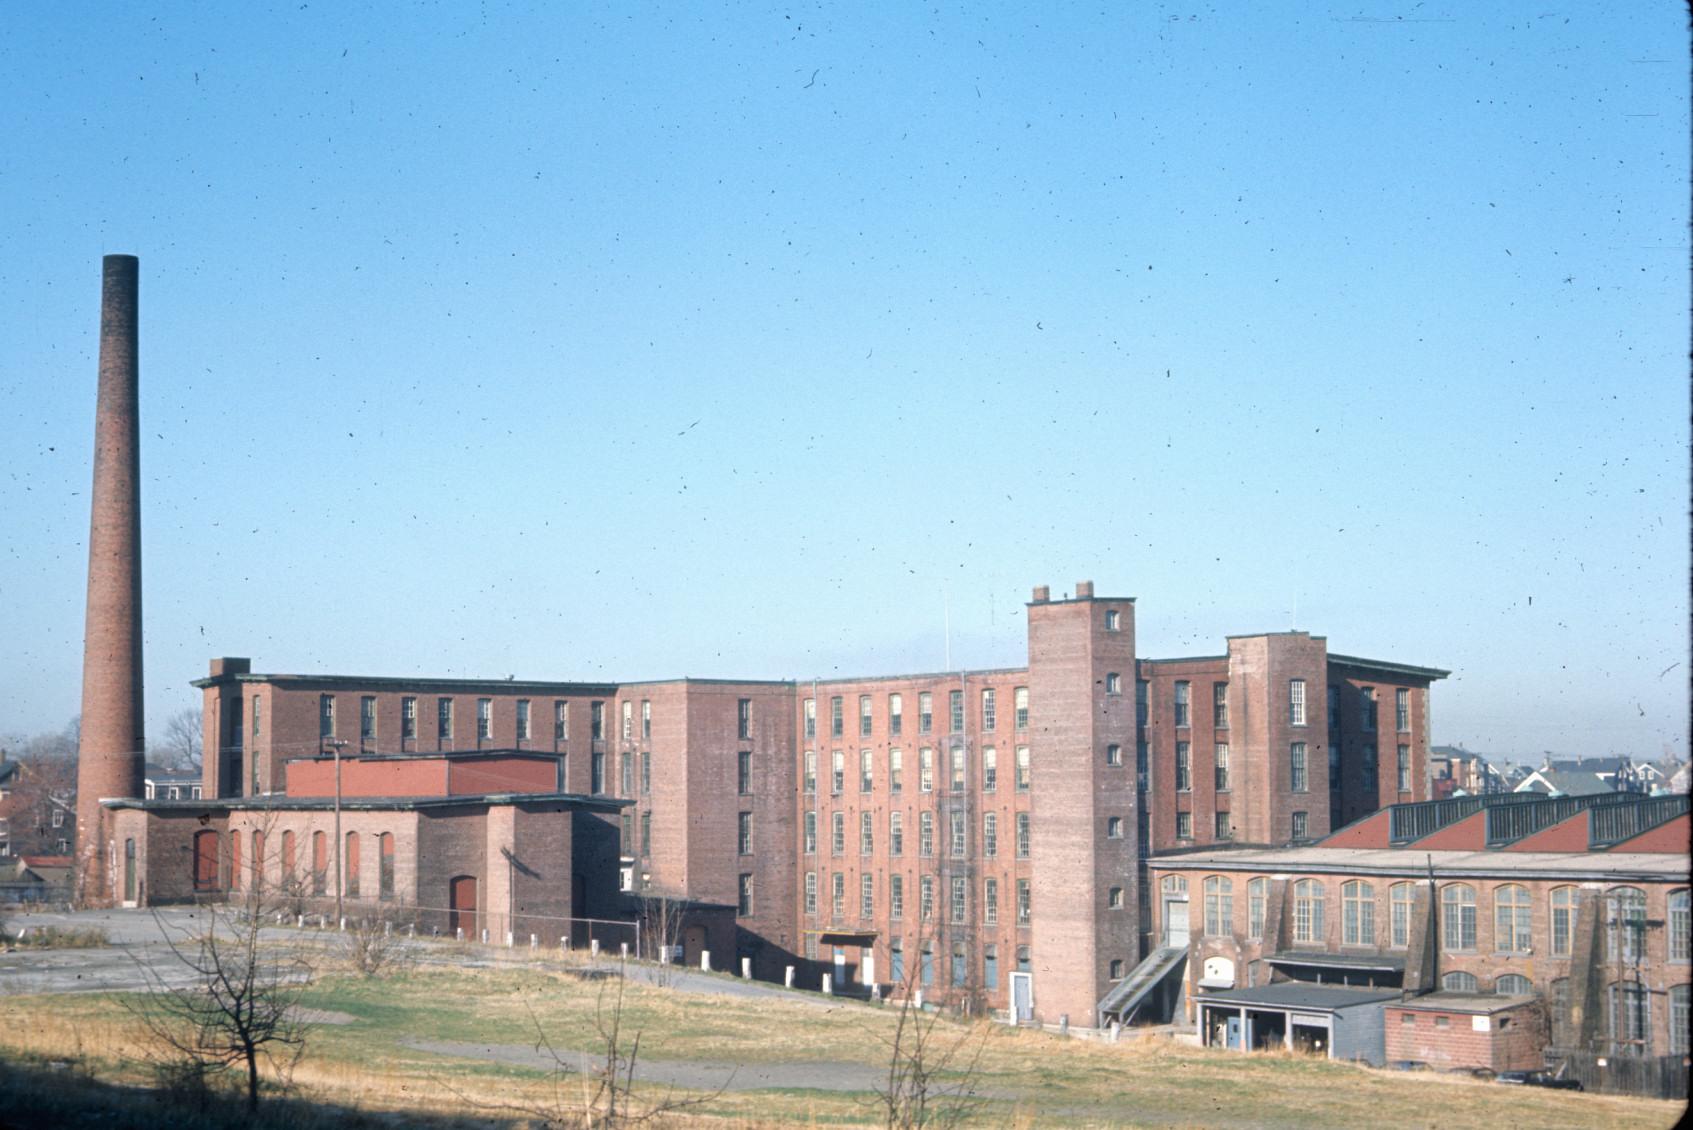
[1457, 1030]
[1333, 1021]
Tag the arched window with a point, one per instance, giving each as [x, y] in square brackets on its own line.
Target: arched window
[289, 859]
[960, 964]
[1117, 969]
[1460, 982]
[928, 972]
[235, 861]
[1560, 1012]
[258, 863]
[1023, 961]
[1114, 898]
[1457, 917]
[1679, 944]
[1563, 920]
[351, 865]
[1357, 914]
[1513, 985]
[1173, 884]
[1678, 1018]
[1625, 921]
[1307, 911]
[385, 873]
[1257, 890]
[1512, 920]
[205, 860]
[1400, 899]
[1630, 1016]
[1219, 906]
[320, 863]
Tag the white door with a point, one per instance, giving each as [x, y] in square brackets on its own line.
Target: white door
[1175, 922]
[1022, 997]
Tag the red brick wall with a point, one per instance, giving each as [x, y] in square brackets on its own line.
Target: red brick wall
[1468, 834]
[1369, 832]
[1512, 1040]
[1670, 836]
[1201, 801]
[316, 778]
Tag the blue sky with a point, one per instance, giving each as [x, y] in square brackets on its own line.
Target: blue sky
[579, 341]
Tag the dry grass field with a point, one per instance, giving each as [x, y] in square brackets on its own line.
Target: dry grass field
[457, 1047]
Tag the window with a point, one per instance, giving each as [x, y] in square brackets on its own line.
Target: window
[1563, 920]
[896, 715]
[835, 723]
[896, 833]
[1460, 982]
[1113, 683]
[485, 718]
[1142, 690]
[955, 712]
[1219, 906]
[811, 892]
[1404, 768]
[1400, 898]
[258, 703]
[896, 770]
[1022, 768]
[990, 967]
[866, 833]
[810, 718]
[1334, 710]
[1020, 707]
[1112, 620]
[1513, 985]
[647, 720]
[1299, 826]
[990, 769]
[1678, 1019]
[1334, 766]
[408, 717]
[928, 960]
[1512, 923]
[350, 864]
[1308, 911]
[925, 770]
[837, 772]
[958, 899]
[1184, 825]
[646, 835]
[837, 894]
[1357, 914]
[288, 858]
[1184, 690]
[1625, 922]
[1457, 917]
[864, 718]
[596, 781]
[1023, 906]
[810, 833]
[1113, 754]
[990, 716]
[1024, 963]
[866, 771]
[234, 860]
[958, 829]
[1022, 835]
[1225, 830]
[1114, 898]
[957, 778]
[926, 898]
[837, 833]
[596, 721]
[743, 833]
[626, 768]
[1296, 702]
[990, 834]
[367, 718]
[647, 771]
[1368, 765]
[628, 721]
[1402, 710]
[1367, 707]
[1113, 827]
[925, 833]
[808, 770]
[1220, 705]
[326, 715]
[1220, 758]
[384, 862]
[867, 895]
[1184, 766]
[896, 900]
[561, 721]
[1296, 767]
[1676, 905]
[522, 719]
[1257, 891]
[990, 901]
[1630, 1016]
[320, 863]
[925, 713]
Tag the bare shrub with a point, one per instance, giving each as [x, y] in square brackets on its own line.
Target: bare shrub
[375, 947]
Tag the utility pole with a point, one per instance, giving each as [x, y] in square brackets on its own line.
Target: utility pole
[335, 745]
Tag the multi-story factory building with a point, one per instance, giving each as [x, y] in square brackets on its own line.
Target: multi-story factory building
[981, 835]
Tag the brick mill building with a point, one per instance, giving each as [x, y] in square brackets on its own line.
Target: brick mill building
[984, 834]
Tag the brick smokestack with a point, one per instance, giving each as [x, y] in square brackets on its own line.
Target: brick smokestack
[110, 763]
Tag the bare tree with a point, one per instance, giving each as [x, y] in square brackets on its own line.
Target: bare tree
[932, 1066]
[179, 744]
[240, 1006]
[661, 918]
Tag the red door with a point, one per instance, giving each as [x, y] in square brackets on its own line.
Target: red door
[205, 861]
[461, 906]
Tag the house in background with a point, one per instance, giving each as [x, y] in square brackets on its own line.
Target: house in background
[172, 784]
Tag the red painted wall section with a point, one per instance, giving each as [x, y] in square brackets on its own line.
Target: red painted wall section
[316, 778]
[1468, 834]
[1569, 834]
[502, 775]
[1672, 835]
[1370, 832]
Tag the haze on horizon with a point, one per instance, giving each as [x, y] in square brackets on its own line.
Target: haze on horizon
[604, 343]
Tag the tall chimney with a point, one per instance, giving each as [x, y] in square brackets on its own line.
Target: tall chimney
[110, 763]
